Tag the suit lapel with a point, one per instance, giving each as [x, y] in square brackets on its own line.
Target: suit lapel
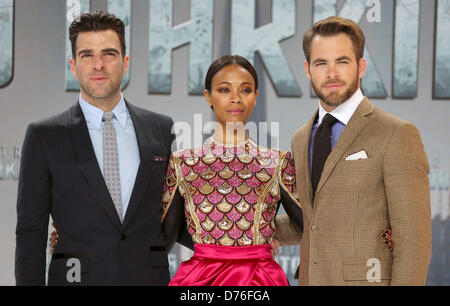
[302, 149]
[351, 131]
[143, 135]
[88, 164]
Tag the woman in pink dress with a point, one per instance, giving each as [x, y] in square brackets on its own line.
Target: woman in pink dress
[227, 192]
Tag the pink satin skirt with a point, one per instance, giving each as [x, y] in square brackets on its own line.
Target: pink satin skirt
[215, 265]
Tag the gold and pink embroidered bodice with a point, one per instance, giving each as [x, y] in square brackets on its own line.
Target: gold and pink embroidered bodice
[231, 193]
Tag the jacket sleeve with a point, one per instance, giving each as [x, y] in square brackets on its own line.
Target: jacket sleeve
[405, 174]
[33, 211]
[172, 210]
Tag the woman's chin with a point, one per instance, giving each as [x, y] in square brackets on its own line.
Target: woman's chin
[236, 121]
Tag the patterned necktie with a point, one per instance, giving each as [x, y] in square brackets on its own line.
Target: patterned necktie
[111, 162]
[321, 149]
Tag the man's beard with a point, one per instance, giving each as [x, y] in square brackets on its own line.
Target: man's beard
[334, 99]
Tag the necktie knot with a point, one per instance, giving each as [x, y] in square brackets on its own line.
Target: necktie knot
[107, 116]
[329, 120]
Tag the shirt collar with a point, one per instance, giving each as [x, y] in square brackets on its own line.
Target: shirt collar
[94, 115]
[345, 111]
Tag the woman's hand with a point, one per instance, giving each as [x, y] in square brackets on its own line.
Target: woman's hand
[53, 241]
[387, 237]
[275, 244]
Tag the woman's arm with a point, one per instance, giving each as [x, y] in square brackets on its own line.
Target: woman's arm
[173, 219]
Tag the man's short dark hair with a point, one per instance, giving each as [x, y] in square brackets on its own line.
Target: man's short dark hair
[95, 22]
[335, 25]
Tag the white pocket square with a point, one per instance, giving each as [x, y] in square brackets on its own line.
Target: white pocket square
[356, 156]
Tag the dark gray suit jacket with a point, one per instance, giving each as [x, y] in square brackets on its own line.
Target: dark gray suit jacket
[60, 176]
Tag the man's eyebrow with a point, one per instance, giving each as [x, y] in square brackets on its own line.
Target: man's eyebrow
[319, 60]
[110, 50]
[85, 51]
[344, 58]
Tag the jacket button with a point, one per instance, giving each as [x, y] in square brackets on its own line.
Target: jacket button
[122, 236]
[314, 228]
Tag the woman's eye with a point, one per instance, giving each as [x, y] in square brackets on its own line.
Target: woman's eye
[223, 90]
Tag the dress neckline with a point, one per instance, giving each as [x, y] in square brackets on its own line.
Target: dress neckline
[211, 141]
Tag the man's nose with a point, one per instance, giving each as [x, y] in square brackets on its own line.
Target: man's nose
[332, 71]
[98, 64]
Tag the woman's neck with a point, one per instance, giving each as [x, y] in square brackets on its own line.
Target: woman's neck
[230, 134]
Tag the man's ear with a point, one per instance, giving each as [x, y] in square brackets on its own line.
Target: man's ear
[306, 65]
[362, 67]
[72, 67]
[126, 64]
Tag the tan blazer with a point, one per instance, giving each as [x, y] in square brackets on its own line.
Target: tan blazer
[356, 200]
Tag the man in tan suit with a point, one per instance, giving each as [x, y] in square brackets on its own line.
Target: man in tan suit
[359, 170]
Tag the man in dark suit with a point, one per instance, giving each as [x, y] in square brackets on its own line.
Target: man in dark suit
[98, 170]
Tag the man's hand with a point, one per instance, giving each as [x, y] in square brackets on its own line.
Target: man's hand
[275, 245]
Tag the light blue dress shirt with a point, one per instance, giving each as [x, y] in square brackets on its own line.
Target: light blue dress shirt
[127, 145]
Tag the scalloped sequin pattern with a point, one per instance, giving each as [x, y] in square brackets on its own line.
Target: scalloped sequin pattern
[232, 190]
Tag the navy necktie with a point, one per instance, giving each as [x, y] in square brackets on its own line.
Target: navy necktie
[321, 149]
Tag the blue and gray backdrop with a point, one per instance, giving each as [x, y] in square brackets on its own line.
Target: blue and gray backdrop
[171, 44]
